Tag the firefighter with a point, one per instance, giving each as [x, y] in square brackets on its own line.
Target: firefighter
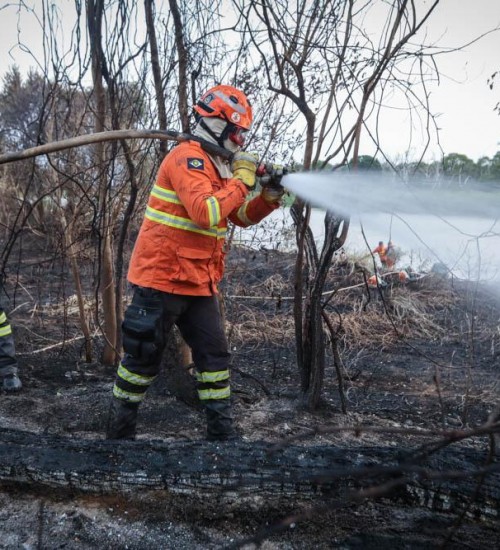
[390, 255]
[8, 363]
[381, 250]
[178, 261]
[375, 281]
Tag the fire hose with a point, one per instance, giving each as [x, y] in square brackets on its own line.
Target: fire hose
[273, 173]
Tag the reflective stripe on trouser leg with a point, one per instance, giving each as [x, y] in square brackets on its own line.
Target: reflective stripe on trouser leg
[131, 385]
[213, 385]
[8, 363]
[201, 327]
[147, 322]
[143, 342]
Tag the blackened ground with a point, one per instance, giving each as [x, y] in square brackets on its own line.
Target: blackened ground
[438, 370]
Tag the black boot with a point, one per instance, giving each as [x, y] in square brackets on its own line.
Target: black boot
[122, 420]
[11, 383]
[219, 420]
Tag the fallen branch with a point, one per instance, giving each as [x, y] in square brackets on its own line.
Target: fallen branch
[52, 346]
[113, 135]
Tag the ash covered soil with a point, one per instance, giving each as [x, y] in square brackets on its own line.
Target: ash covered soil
[422, 356]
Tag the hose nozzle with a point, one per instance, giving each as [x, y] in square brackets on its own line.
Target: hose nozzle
[271, 174]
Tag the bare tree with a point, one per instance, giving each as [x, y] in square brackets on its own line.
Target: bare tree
[183, 65]
[156, 70]
[95, 13]
[319, 56]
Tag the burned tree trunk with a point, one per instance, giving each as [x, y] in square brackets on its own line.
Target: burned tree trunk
[107, 283]
[156, 70]
[243, 474]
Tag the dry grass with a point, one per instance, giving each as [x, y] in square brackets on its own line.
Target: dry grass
[267, 330]
[368, 317]
[369, 328]
[403, 313]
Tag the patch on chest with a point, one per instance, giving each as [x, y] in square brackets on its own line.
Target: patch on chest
[195, 164]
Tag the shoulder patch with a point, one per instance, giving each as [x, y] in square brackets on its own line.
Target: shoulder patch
[195, 164]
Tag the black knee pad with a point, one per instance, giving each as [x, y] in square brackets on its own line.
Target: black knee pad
[142, 326]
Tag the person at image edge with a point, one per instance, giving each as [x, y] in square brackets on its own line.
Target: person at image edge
[8, 363]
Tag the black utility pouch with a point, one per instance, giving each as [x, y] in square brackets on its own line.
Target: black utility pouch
[142, 328]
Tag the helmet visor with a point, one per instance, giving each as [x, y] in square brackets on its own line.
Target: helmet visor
[237, 135]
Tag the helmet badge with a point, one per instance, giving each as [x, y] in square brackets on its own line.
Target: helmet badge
[235, 117]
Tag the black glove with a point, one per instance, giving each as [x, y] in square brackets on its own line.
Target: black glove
[273, 175]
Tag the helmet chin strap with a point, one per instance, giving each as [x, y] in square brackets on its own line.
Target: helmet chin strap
[216, 130]
[231, 146]
[211, 133]
[221, 137]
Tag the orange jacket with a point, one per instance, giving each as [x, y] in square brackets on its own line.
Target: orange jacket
[390, 256]
[381, 250]
[179, 248]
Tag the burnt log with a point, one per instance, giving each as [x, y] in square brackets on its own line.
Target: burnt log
[249, 475]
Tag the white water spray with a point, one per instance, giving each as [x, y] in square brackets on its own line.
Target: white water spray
[457, 225]
[370, 193]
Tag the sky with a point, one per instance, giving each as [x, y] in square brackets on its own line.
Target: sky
[463, 100]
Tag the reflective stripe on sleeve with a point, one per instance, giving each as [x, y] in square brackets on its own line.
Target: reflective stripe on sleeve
[5, 331]
[242, 214]
[222, 393]
[166, 195]
[3, 318]
[212, 376]
[136, 379]
[182, 223]
[127, 395]
[213, 211]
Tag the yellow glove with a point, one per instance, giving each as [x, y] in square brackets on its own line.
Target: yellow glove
[244, 166]
[272, 190]
[272, 194]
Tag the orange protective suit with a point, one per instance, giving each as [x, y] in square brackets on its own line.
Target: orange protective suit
[403, 276]
[390, 256]
[180, 246]
[381, 250]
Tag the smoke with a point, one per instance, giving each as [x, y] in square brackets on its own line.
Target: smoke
[449, 223]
